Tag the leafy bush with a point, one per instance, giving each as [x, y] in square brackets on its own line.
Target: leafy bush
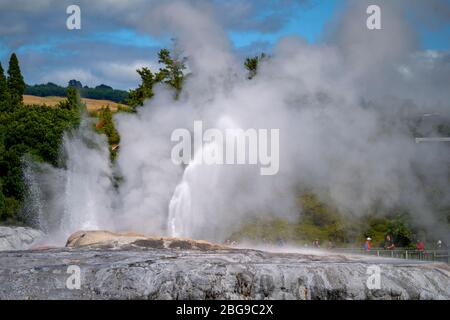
[105, 125]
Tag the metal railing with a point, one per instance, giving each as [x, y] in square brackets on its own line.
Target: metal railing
[402, 253]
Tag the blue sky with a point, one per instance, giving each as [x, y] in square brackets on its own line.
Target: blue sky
[110, 40]
[436, 39]
[307, 21]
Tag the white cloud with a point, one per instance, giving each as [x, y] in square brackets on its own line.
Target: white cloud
[125, 71]
[62, 77]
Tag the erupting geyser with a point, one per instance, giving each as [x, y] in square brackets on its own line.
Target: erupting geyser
[77, 196]
[180, 210]
[182, 218]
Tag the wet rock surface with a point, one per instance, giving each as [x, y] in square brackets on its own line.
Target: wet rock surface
[18, 238]
[145, 269]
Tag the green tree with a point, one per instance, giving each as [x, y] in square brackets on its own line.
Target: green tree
[251, 64]
[76, 84]
[73, 97]
[73, 100]
[16, 84]
[172, 72]
[144, 91]
[4, 93]
[106, 126]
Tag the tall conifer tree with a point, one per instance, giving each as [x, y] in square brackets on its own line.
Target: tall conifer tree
[16, 84]
[4, 94]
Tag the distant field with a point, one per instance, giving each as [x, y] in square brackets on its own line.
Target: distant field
[91, 104]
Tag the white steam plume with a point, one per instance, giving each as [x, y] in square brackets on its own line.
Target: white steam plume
[343, 108]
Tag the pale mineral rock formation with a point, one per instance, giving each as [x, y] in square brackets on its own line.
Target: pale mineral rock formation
[109, 239]
[133, 266]
[18, 238]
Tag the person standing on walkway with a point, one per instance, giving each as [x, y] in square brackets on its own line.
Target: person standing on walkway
[389, 243]
[420, 245]
[368, 244]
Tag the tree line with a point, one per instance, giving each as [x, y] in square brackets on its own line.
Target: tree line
[101, 92]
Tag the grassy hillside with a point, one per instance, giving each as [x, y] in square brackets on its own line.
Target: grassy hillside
[91, 104]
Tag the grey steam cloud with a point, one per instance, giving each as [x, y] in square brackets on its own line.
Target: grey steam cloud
[343, 108]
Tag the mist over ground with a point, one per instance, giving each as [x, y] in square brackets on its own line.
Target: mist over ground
[344, 107]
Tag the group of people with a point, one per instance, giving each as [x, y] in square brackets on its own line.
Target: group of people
[390, 245]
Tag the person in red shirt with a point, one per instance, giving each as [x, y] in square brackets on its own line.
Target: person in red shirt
[368, 244]
[420, 246]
